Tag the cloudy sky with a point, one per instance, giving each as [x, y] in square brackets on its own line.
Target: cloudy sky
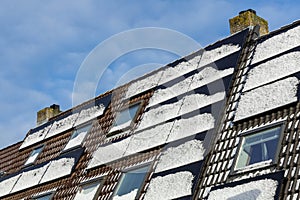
[44, 43]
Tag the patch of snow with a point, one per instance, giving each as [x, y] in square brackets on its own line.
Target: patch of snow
[35, 137]
[89, 113]
[58, 168]
[191, 126]
[161, 114]
[171, 73]
[108, 153]
[177, 89]
[218, 53]
[120, 127]
[129, 196]
[170, 186]
[184, 154]
[267, 97]
[255, 190]
[195, 101]
[30, 178]
[143, 84]
[273, 70]
[7, 185]
[76, 141]
[277, 44]
[209, 74]
[62, 125]
[149, 138]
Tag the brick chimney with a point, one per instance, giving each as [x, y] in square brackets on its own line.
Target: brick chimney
[248, 18]
[45, 114]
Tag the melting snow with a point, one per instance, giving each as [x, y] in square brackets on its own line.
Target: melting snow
[149, 138]
[143, 85]
[208, 75]
[255, 190]
[7, 185]
[35, 137]
[217, 53]
[273, 70]
[89, 113]
[30, 178]
[129, 196]
[267, 97]
[62, 125]
[58, 168]
[170, 186]
[108, 153]
[186, 153]
[277, 44]
[191, 126]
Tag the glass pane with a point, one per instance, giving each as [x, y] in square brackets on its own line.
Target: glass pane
[131, 180]
[88, 191]
[126, 115]
[33, 156]
[258, 147]
[46, 197]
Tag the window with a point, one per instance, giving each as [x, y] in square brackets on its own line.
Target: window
[259, 147]
[33, 156]
[89, 191]
[124, 118]
[47, 196]
[131, 181]
[78, 137]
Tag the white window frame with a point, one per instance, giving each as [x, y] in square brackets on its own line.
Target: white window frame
[262, 163]
[97, 181]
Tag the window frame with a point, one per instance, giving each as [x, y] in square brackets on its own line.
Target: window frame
[133, 168]
[90, 182]
[90, 123]
[115, 132]
[261, 164]
[34, 161]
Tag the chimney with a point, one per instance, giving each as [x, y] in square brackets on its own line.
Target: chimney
[45, 114]
[248, 18]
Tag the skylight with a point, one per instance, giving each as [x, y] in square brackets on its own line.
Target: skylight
[33, 156]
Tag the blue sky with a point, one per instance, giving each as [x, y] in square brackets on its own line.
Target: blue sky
[43, 43]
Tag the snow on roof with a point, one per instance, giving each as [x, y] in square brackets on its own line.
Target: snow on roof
[272, 70]
[7, 185]
[108, 153]
[183, 154]
[149, 138]
[277, 44]
[143, 85]
[170, 186]
[89, 113]
[30, 178]
[58, 168]
[191, 126]
[267, 97]
[62, 125]
[130, 196]
[255, 190]
[35, 137]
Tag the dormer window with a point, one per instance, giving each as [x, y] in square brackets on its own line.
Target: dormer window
[259, 147]
[125, 118]
[78, 137]
[33, 156]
